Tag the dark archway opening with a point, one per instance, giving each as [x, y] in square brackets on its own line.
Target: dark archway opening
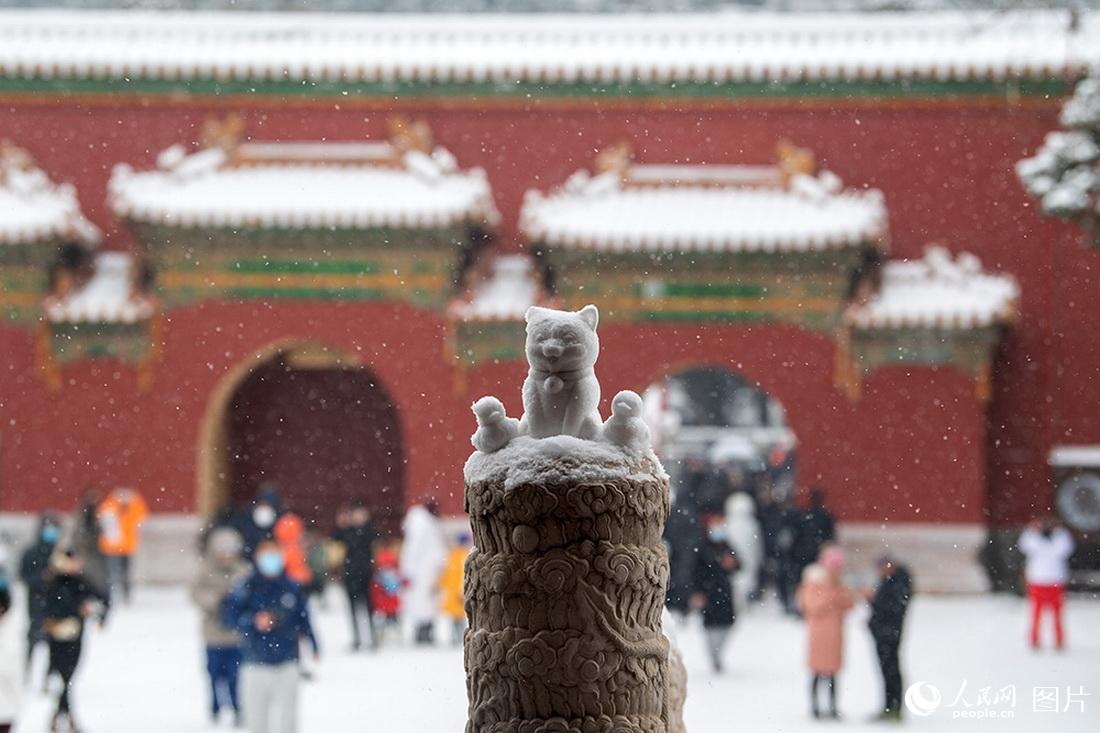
[713, 423]
[320, 436]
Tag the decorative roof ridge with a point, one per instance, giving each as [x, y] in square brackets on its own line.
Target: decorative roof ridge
[22, 181]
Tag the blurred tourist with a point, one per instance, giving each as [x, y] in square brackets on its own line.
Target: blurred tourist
[256, 521]
[223, 517]
[33, 570]
[356, 534]
[1047, 547]
[290, 534]
[83, 542]
[684, 536]
[815, 527]
[713, 590]
[222, 569]
[450, 586]
[889, 602]
[787, 523]
[270, 612]
[423, 554]
[385, 592]
[120, 516]
[317, 560]
[743, 533]
[11, 656]
[824, 601]
[6, 553]
[70, 599]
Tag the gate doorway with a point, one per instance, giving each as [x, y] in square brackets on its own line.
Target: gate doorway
[712, 421]
[319, 430]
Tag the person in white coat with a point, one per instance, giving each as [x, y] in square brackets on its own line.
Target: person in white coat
[1047, 547]
[423, 556]
[743, 533]
[11, 661]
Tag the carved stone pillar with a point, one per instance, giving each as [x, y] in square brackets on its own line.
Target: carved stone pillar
[677, 690]
[565, 588]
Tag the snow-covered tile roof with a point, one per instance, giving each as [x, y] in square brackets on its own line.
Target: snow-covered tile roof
[510, 289]
[682, 209]
[35, 209]
[294, 185]
[729, 45]
[937, 291]
[107, 297]
[1075, 455]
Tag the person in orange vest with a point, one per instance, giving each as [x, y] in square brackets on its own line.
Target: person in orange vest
[450, 585]
[290, 533]
[120, 517]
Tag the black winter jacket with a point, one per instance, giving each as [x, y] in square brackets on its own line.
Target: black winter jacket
[889, 604]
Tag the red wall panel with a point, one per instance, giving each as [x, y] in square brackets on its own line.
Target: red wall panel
[913, 447]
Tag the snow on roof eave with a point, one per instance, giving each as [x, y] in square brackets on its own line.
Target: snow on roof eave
[811, 216]
[74, 229]
[188, 197]
[213, 221]
[962, 320]
[106, 298]
[732, 45]
[1072, 456]
[938, 292]
[40, 211]
[945, 322]
[732, 243]
[505, 296]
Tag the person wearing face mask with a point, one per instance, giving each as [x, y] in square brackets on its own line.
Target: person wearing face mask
[32, 571]
[715, 565]
[70, 599]
[256, 523]
[271, 614]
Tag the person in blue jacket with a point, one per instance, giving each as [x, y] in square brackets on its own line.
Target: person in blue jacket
[271, 613]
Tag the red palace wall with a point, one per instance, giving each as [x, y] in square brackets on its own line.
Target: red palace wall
[917, 446]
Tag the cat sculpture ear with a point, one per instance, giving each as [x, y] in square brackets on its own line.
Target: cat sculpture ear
[534, 312]
[590, 315]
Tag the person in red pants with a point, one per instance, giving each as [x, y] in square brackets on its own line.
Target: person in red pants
[1047, 547]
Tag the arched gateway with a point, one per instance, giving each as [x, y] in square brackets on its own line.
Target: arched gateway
[310, 421]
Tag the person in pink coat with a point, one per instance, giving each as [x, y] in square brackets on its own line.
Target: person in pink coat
[824, 601]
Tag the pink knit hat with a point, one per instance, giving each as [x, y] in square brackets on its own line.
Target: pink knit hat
[832, 557]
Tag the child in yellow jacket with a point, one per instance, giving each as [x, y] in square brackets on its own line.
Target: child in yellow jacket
[450, 586]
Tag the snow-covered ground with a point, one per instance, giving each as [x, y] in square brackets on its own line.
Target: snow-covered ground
[143, 674]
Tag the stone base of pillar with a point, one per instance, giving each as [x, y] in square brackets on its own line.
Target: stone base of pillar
[565, 588]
